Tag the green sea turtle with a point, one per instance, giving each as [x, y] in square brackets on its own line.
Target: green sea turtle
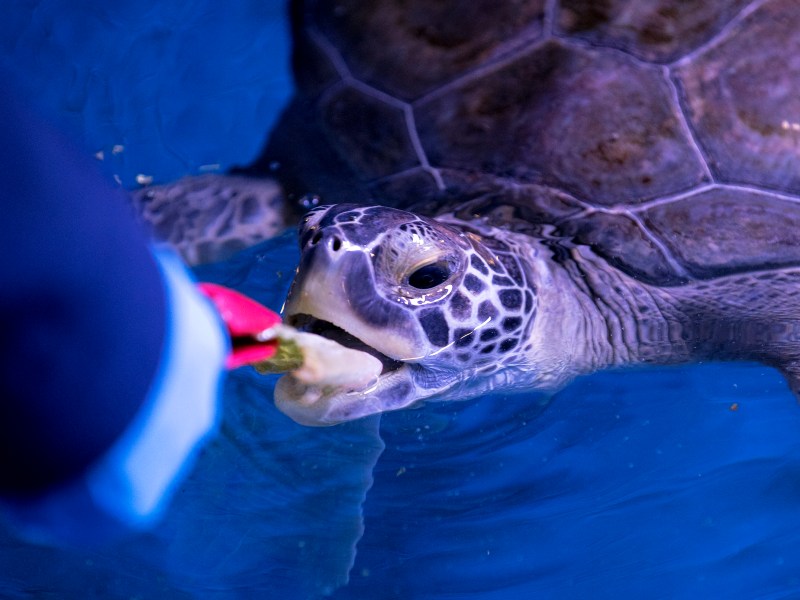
[526, 191]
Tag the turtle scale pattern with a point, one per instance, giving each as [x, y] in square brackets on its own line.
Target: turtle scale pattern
[662, 134]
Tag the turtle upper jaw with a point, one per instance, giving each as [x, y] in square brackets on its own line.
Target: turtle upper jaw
[325, 307]
[339, 288]
[311, 324]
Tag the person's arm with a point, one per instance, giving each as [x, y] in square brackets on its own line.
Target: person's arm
[83, 309]
[129, 485]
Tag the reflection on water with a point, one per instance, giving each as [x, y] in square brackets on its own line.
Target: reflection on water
[664, 483]
[643, 484]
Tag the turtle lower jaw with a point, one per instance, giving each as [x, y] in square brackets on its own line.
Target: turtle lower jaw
[309, 405]
[317, 407]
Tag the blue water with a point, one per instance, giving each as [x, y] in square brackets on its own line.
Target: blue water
[661, 483]
[162, 88]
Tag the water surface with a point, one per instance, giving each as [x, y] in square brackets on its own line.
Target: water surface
[663, 483]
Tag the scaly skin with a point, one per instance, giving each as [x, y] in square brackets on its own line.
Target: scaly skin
[596, 317]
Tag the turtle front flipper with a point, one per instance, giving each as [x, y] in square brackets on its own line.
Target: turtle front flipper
[210, 217]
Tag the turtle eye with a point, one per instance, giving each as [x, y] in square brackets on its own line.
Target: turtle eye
[429, 276]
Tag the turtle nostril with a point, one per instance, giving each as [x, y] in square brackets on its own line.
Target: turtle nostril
[333, 241]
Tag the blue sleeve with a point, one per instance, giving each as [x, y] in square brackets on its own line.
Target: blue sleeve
[129, 486]
[82, 309]
[109, 358]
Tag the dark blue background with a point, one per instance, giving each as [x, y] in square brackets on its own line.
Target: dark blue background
[642, 484]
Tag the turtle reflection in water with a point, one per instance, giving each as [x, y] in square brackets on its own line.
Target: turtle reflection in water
[523, 192]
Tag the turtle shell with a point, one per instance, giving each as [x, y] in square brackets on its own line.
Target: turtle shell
[665, 134]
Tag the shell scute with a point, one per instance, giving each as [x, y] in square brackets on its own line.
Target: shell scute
[621, 241]
[592, 121]
[743, 99]
[369, 133]
[424, 44]
[724, 230]
[659, 31]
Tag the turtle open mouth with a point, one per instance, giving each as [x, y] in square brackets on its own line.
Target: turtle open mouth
[326, 329]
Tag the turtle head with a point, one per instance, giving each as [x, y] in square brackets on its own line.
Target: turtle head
[435, 304]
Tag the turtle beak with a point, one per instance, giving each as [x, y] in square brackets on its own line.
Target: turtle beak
[335, 283]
